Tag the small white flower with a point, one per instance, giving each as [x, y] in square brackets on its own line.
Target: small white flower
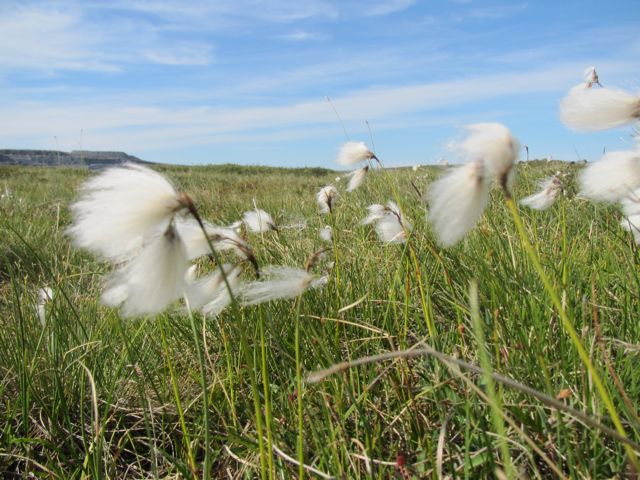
[326, 198]
[415, 168]
[258, 221]
[589, 109]
[354, 152]
[151, 280]
[338, 179]
[45, 295]
[279, 283]
[612, 178]
[546, 196]
[391, 225]
[357, 178]
[326, 234]
[121, 208]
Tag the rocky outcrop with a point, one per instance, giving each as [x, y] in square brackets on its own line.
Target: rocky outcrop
[76, 158]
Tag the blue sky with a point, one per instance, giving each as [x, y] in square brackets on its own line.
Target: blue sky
[246, 81]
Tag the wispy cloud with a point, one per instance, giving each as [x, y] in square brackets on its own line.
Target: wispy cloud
[389, 6]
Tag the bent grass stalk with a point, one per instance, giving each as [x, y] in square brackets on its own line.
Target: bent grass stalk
[320, 375]
[568, 326]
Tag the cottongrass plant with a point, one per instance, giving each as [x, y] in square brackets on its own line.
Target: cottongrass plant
[279, 282]
[549, 190]
[326, 198]
[45, 296]
[356, 178]
[390, 224]
[457, 200]
[121, 209]
[352, 153]
[589, 109]
[325, 234]
[259, 221]
[612, 178]
[151, 280]
[211, 294]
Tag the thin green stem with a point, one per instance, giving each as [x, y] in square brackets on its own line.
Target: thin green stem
[494, 400]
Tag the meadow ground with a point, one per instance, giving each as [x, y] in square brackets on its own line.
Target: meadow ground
[87, 394]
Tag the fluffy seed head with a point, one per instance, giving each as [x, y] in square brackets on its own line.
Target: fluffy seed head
[354, 152]
[222, 239]
[357, 178]
[279, 283]
[151, 280]
[391, 225]
[122, 207]
[494, 146]
[325, 234]
[456, 202]
[612, 178]
[546, 196]
[45, 295]
[258, 221]
[326, 198]
[591, 77]
[588, 109]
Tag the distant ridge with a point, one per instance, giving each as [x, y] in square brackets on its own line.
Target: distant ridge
[75, 158]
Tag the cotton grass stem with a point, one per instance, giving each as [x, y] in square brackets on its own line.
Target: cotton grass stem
[205, 394]
[320, 375]
[494, 400]
[244, 344]
[568, 325]
[176, 393]
[300, 446]
[267, 395]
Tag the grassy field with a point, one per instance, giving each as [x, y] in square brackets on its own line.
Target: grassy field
[88, 394]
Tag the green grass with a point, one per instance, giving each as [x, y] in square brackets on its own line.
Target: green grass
[92, 395]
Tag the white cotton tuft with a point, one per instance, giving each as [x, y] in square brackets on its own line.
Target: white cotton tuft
[376, 212]
[196, 242]
[546, 196]
[326, 234]
[45, 295]
[210, 294]
[354, 152]
[326, 198]
[236, 226]
[120, 208]
[632, 224]
[494, 146]
[612, 178]
[258, 221]
[357, 178]
[391, 225]
[278, 283]
[151, 280]
[588, 109]
[456, 202]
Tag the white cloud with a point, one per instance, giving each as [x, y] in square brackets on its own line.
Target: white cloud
[182, 55]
